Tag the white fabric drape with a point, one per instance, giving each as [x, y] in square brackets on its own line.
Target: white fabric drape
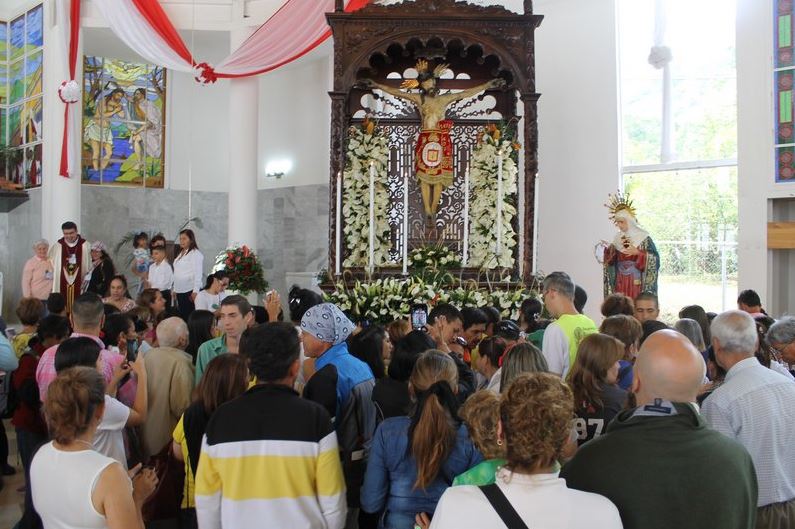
[132, 28]
[294, 30]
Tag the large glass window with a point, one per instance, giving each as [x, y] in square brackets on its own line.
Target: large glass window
[679, 142]
[21, 42]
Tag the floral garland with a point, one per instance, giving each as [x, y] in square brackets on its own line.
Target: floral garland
[436, 257]
[388, 299]
[366, 144]
[243, 268]
[483, 176]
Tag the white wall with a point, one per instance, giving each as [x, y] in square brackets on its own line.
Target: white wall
[756, 164]
[295, 115]
[577, 77]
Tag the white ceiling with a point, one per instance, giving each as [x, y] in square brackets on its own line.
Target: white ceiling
[12, 8]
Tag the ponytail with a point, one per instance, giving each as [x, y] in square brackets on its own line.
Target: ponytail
[432, 433]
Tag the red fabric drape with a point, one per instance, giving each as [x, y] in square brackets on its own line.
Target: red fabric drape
[74, 36]
[153, 12]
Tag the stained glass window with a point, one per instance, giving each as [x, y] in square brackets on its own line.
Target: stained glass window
[123, 123]
[21, 42]
[784, 98]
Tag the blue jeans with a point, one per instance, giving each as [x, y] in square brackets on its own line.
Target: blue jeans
[398, 520]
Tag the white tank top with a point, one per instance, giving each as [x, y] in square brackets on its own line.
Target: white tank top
[62, 483]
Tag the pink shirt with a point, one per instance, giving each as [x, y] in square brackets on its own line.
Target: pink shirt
[45, 372]
[37, 278]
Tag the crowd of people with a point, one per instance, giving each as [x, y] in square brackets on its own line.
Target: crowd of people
[192, 407]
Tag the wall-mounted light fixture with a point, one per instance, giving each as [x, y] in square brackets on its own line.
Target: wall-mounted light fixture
[278, 168]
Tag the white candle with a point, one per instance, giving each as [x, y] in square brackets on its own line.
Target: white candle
[371, 260]
[338, 226]
[466, 216]
[499, 205]
[405, 221]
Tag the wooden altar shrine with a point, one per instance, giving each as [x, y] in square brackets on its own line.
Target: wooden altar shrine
[383, 43]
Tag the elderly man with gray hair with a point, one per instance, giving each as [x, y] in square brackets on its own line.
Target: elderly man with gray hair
[37, 273]
[170, 384]
[754, 406]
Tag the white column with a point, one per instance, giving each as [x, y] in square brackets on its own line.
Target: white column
[243, 152]
[60, 196]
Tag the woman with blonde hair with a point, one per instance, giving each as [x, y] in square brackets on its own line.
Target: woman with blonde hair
[592, 380]
[535, 414]
[414, 459]
[72, 485]
[521, 358]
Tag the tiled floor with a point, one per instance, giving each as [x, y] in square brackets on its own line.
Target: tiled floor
[10, 500]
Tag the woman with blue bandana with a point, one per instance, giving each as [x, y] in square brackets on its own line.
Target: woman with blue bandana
[342, 384]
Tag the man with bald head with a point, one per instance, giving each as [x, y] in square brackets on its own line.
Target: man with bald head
[754, 406]
[659, 463]
[169, 385]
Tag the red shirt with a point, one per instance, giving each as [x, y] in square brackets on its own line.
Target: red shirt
[27, 417]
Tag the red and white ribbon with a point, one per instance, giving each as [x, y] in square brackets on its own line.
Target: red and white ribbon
[68, 18]
[294, 30]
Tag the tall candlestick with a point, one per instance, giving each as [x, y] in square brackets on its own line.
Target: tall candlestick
[499, 206]
[405, 222]
[371, 257]
[466, 216]
[338, 226]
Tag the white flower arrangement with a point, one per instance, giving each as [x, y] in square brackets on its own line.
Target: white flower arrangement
[388, 299]
[436, 257]
[366, 144]
[483, 190]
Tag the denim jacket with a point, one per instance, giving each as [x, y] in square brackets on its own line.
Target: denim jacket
[392, 471]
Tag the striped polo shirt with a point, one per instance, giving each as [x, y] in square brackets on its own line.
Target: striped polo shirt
[270, 458]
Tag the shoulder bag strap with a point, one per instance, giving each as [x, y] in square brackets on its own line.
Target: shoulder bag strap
[504, 509]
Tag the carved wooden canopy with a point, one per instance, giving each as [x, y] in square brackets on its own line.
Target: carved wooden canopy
[484, 42]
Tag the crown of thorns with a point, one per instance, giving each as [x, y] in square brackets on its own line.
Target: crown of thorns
[424, 73]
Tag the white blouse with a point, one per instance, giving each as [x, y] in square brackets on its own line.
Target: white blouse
[541, 500]
[206, 301]
[188, 272]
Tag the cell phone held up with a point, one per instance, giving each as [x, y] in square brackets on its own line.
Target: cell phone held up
[419, 317]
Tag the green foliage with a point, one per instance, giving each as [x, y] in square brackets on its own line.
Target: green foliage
[696, 206]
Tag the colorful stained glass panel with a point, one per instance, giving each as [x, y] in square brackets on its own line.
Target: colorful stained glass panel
[35, 27]
[16, 82]
[33, 166]
[785, 164]
[15, 126]
[3, 83]
[123, 122]
[3, 40]
[17, 39]
[784, 34]
[33, 73]
[32, 120]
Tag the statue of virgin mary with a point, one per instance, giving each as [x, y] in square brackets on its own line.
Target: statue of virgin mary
[631, 262]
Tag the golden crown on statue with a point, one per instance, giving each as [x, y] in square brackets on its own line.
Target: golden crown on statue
[620, 202]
